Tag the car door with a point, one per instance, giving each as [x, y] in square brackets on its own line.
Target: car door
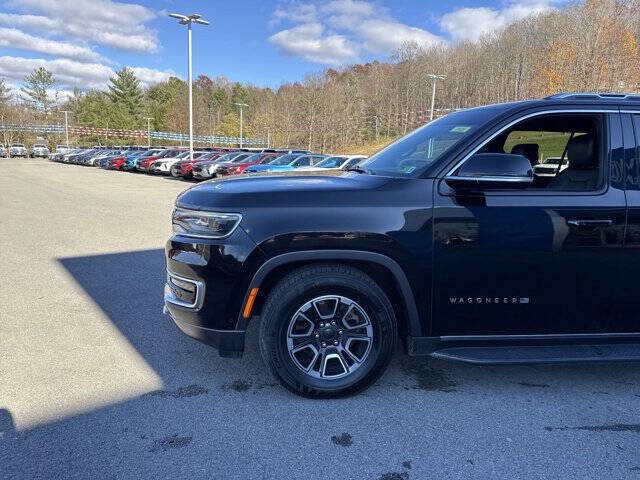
[629, 298]
[531, 262]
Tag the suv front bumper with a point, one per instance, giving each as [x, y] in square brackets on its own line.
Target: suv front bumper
[205, 288]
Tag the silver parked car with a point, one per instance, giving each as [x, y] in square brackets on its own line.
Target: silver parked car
[39, 150]
[17, 150]
[3, 151]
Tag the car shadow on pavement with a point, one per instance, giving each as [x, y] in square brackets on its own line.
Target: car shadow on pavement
[227, 418]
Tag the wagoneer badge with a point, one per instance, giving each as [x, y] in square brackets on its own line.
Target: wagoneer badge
[488, 300]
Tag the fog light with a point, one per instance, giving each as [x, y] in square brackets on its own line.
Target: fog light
[183, 291]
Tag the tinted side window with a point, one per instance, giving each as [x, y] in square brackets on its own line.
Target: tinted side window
[565, 150]
[303, 162]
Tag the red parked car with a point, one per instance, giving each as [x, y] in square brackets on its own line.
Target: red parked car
[145, 162]
[115, 163]
[235, 168]
[185, 167]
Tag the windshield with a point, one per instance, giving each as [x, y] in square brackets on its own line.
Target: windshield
[331, 162]
[168, 153]
[241, 158]
[249, 159]
[285, 159]
[413, 153]
[146, 153]
[226, 158]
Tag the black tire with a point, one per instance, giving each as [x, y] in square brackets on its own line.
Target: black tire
[311, 282]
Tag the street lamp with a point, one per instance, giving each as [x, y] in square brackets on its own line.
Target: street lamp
[148, 119]
[66, 125]
[188, 20]
[241, 105]
[434, 79]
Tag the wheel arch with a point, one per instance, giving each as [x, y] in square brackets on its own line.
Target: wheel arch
[374, 264]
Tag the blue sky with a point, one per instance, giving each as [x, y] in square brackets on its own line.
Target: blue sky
[261, 42]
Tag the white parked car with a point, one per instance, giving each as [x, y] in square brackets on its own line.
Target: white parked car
[338, 162]
[3, 151]
[39, 150]
[17, 150]
[163, 165]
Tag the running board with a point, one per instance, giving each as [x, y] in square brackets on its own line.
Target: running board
[503, 355]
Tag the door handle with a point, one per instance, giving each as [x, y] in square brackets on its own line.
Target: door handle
[590, 223]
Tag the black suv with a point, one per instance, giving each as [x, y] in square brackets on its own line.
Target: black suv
[446, 240]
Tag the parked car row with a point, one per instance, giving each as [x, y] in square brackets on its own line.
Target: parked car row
[19, 150]
[206, 163]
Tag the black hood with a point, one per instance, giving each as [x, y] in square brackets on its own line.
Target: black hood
[236, 194]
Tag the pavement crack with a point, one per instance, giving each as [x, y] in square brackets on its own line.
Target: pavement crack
[344, 439]
[170, 442]
[182, 392]
[533, 385]
[615, 427]
[395, 476]
[426, 377]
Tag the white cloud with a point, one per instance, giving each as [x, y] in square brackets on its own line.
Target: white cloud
[14, 38]
[339, 31]
[384, 36]
[345, 13]
[296, 12]
[472, 23]
[104, 22]
[307, 41]
[70, 73]
[149, 76]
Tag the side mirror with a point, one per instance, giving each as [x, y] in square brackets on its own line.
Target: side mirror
[492, 171]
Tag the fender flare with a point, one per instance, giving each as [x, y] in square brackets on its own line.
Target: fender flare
[413, 319]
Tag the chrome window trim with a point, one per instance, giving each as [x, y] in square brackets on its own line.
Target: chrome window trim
[631, 111]
[200, 287]
[520, 119]
[493, 179]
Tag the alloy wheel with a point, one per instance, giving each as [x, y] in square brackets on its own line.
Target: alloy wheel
[329, 337]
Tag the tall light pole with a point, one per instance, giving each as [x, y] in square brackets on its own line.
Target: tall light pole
[434, 78]
[66, 125]
[188, 20]
[148, 119]
[241, 105]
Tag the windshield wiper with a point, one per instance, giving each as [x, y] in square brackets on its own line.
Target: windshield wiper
[358, 170]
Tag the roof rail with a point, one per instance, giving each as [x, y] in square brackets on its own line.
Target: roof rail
[593, 95]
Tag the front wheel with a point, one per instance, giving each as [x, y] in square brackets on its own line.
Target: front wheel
[327, 330]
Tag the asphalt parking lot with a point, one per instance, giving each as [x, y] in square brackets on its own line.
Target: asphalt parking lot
[95, 382]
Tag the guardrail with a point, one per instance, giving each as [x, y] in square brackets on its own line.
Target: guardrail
[121, 133]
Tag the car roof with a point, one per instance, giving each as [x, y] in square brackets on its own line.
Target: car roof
[611, 100]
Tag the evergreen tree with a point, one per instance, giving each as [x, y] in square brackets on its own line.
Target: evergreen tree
[238, 94]
[163, 102]
[126, 96]
[5, 96]
[36, 87]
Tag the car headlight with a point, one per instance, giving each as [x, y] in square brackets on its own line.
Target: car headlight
[193, 223]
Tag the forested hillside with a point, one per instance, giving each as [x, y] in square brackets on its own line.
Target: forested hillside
[592, 46]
